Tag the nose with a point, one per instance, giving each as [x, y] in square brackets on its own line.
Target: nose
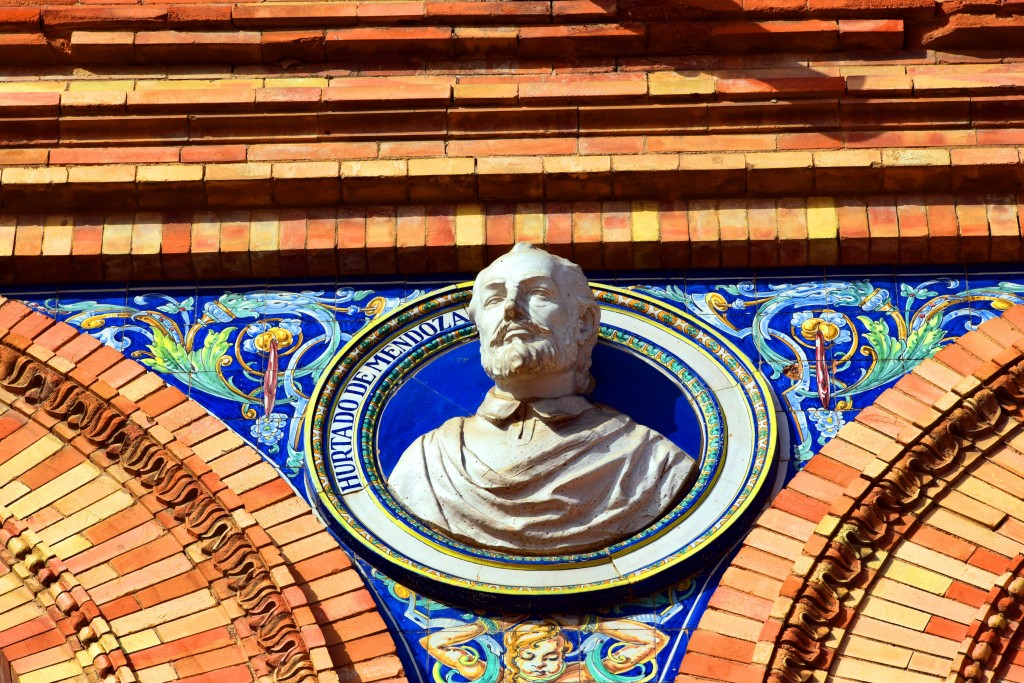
[512, 308]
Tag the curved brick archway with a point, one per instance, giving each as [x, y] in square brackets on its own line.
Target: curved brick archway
[142, 540]
[896, 552]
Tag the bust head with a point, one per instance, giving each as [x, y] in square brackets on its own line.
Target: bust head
[538, 323]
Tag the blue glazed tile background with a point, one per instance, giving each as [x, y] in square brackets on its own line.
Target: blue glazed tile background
[829, 341]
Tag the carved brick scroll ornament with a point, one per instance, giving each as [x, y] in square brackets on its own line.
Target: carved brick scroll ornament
[989, 639]
[266, 610]
[870, 526]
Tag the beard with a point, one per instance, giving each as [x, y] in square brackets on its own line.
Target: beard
[546, 352]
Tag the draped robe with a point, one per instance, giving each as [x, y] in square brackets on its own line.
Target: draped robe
[547, 477]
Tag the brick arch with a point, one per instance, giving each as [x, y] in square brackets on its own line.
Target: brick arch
[141, 538]
[874, 561]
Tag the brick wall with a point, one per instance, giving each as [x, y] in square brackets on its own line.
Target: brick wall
[143, 540]
[791, 133]
[896, 551]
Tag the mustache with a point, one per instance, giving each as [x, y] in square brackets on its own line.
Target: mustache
[517, 325]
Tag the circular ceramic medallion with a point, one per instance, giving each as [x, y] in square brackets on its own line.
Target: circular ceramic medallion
[418, 366]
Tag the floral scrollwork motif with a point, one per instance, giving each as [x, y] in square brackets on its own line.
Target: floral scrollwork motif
[156, 467]
[868, 529]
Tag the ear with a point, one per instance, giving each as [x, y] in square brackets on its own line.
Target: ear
[590, 318]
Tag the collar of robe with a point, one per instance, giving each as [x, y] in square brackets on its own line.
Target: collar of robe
[499, 407]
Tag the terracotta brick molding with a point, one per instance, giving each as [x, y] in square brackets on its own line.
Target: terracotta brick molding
[142, 539]
[876, 560]
[463, 237]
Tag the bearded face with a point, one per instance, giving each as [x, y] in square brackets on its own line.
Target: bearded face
[523, 348]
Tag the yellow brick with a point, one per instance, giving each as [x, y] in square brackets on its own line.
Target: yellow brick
[822, 220]
[645, 223]
[869, 672]
[974, 532]
[509, 165]
[529, 224]
[486, 92]
[30, 457]
[101, 84]
[253, 171]
[147, 234]
[71, 546]
[469, 224]
[96, 576]
[139, 388]
[321, 658]
[980, 490]
[929, 664]
[243, 519]
[206, 616]
[51, 175]
[170, 173]
[52, 673]
[199, 84]
[847, 158]
[251, 477]
[162, 673]
[779, 160]
[645, 162]
[66, 483]
[827, 525]
[375, 168]
[57, 232]
[15, 598]
[895, 614]
[19, 615]
[310, 82]
[118, 173]
[736, 626]
[306, 169]
[930, 603]
[870, 70]
[117, 238]
[33, 86]
[875, 651]
[264, 231]
[305, 548]
[9, 582]
[919, 577]
[578, 164]
[162, 616]
[915, 157]
[442, 166]
[671, 83]
[12, 492]
[977, 510]
[85, 518]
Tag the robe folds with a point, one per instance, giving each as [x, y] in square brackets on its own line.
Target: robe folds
[554, 476]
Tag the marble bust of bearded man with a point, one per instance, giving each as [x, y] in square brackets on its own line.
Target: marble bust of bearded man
[539, 469]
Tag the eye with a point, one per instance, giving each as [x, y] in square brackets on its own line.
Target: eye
[526, 655]
[541, 293]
